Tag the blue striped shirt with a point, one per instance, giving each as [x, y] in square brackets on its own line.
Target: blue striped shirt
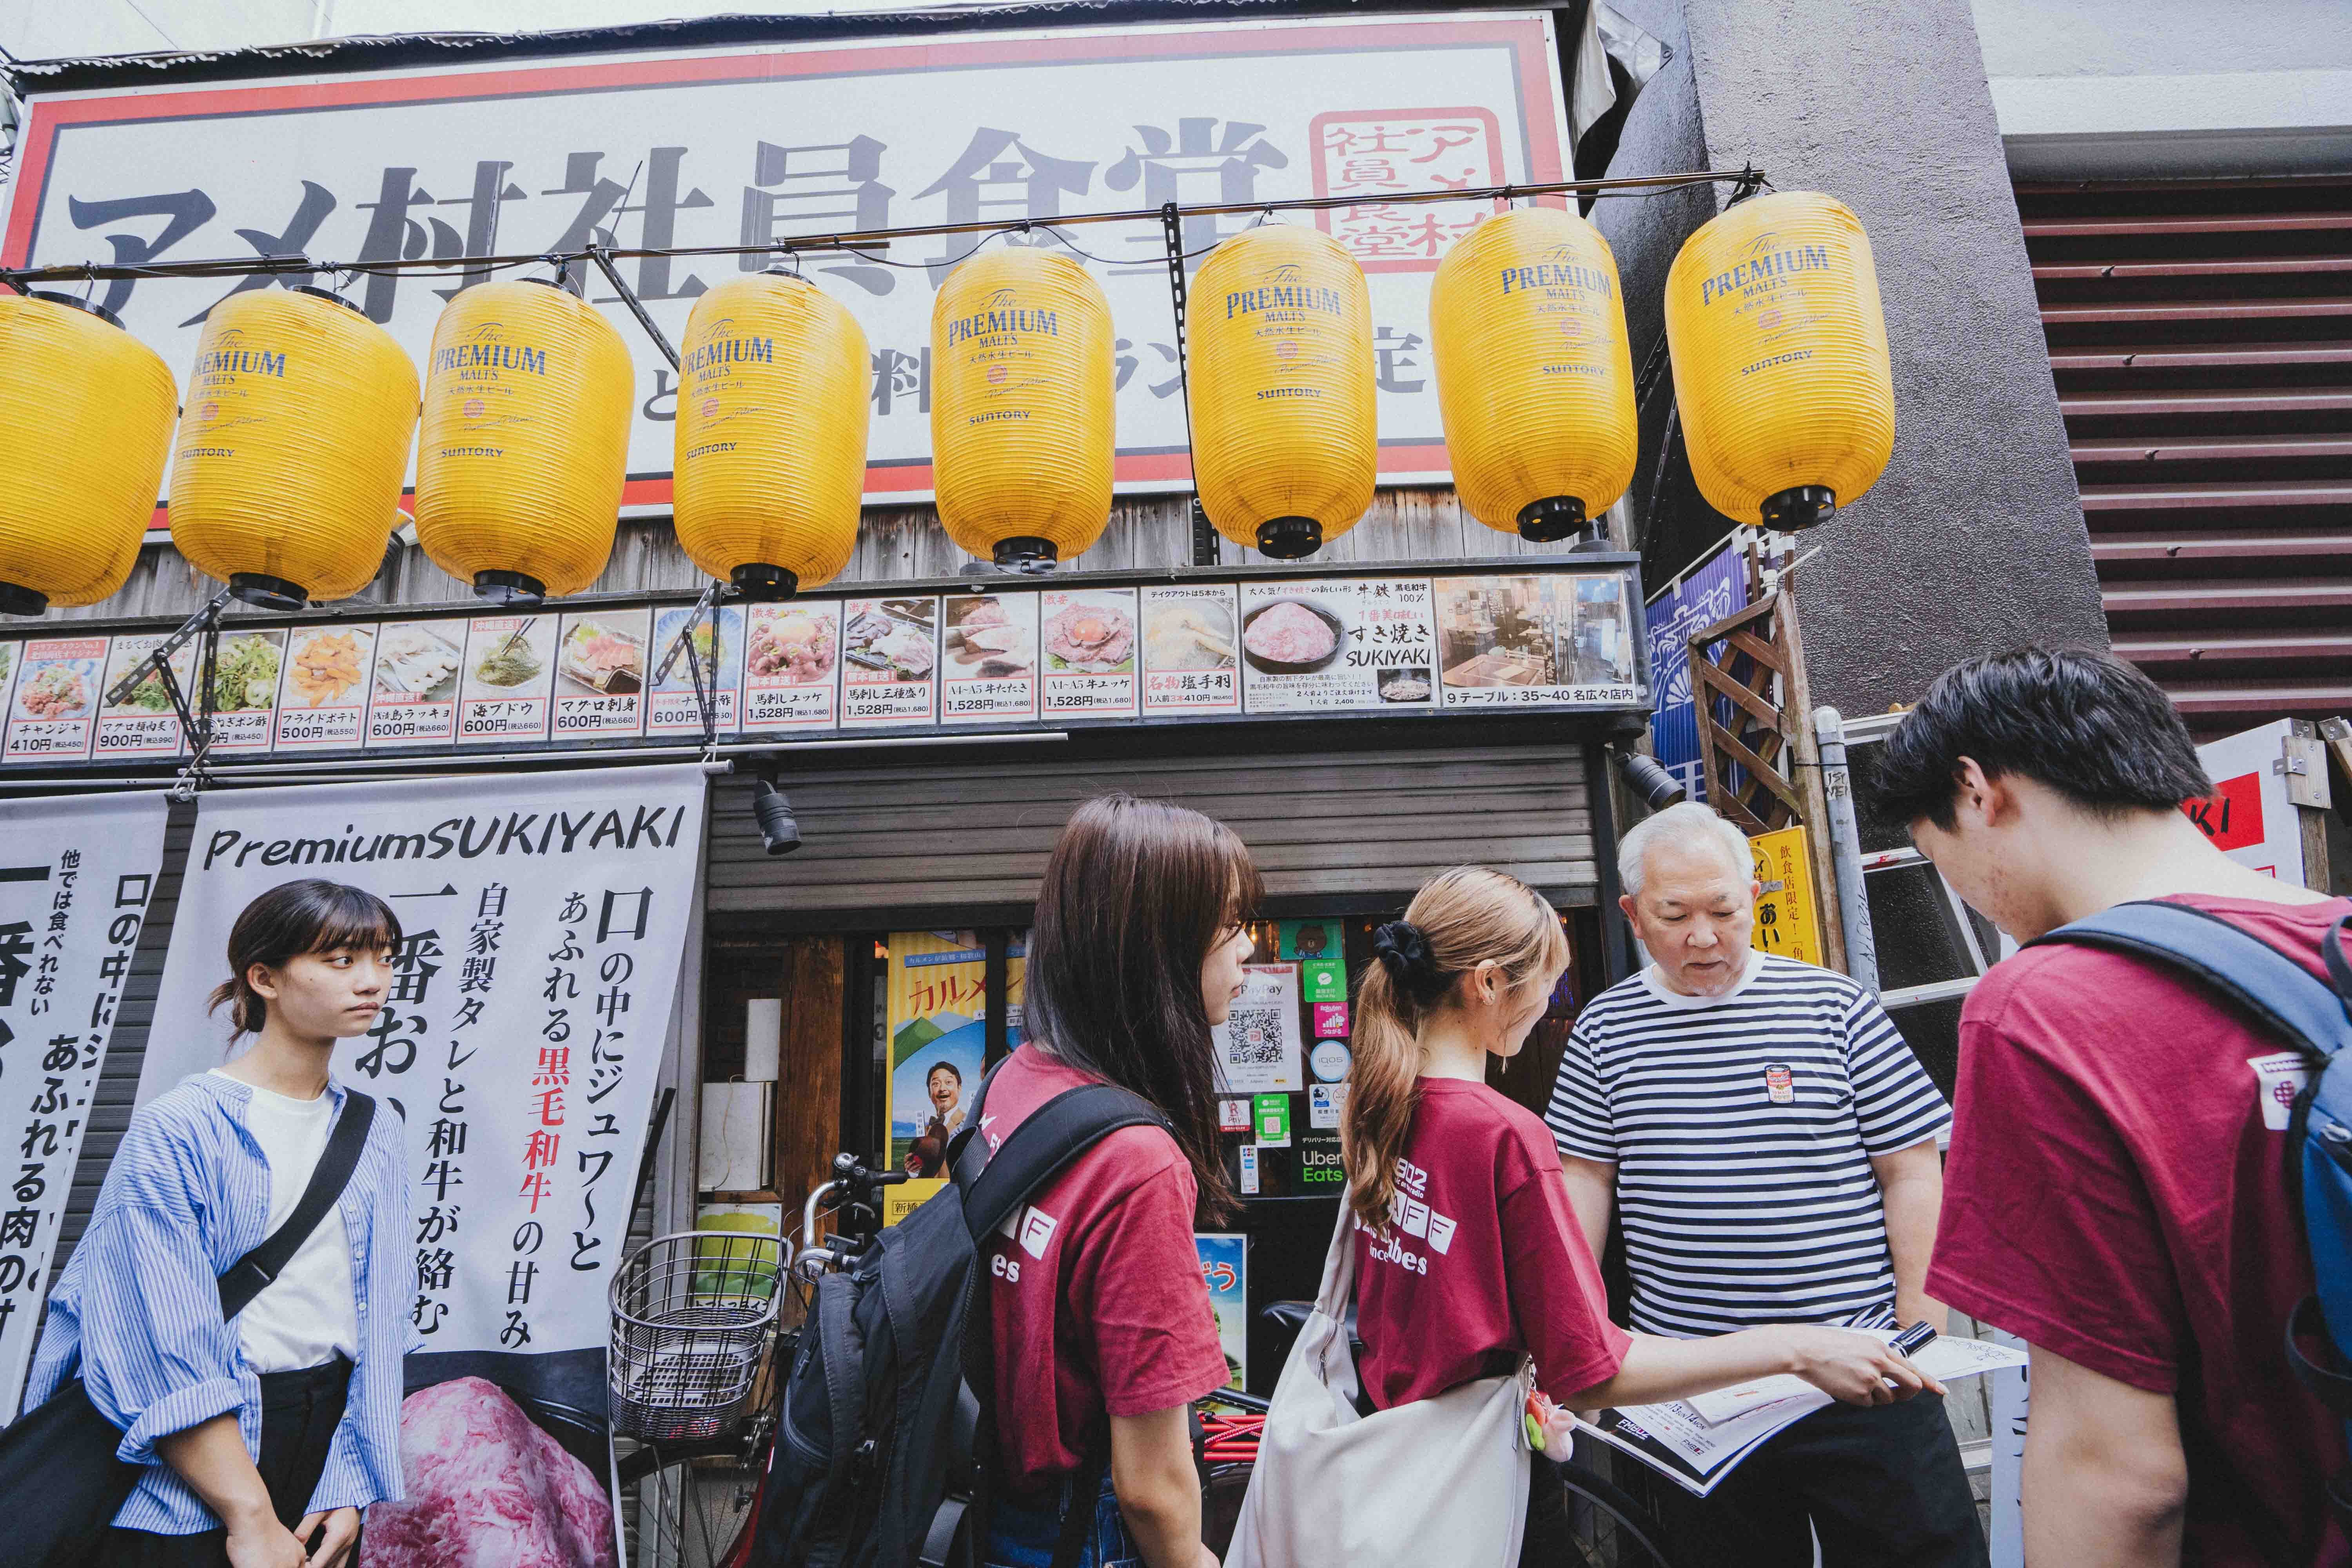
[137, 1311]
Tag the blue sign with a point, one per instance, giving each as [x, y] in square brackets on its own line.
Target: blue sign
[1704, 596]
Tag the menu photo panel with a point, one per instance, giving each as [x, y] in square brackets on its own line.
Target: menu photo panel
[988, 664]
[144, 723]
[413, 699]
[322, 694]
[53, 708]
[791, 666]
[600, 674]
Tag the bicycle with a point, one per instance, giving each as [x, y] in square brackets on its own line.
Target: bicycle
[683, 1521]
[693, 1317]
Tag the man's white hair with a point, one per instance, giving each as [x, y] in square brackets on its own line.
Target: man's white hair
[1689, 825]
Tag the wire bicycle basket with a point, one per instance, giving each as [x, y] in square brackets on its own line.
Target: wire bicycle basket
[691, 1314]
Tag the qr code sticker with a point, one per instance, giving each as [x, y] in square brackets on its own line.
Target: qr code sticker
[1256, 1035]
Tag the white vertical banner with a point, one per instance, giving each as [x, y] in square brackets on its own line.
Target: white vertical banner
[2009, 1389]
[545, 923]
[75, 875]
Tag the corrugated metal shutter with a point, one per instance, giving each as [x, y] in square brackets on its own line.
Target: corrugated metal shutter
[118, 1076]
[912, 837]
[2200, 332]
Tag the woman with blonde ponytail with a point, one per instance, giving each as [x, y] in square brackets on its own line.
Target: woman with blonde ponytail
[1468, 1256]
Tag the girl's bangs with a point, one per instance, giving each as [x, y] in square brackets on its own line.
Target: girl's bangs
[356, 919]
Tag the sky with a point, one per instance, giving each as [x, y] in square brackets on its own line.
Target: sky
[46, 29]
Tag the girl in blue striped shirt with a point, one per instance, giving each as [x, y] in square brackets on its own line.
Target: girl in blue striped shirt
[264, 1438]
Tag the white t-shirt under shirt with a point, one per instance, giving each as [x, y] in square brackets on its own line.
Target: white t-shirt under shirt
[308, 1314]
[1742, 1128]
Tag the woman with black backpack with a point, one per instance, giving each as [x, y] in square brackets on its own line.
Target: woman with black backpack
[1103, 1333]
[260, 1438]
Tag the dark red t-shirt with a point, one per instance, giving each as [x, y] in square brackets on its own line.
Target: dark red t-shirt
[1483, 1260]
[2114, 1193]
[1096, 1297]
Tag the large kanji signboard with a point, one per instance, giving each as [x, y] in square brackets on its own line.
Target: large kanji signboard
[757, 146]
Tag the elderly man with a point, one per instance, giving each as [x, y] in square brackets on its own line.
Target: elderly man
[1769, 1143]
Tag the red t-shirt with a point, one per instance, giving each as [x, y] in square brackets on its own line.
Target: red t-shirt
[1483, 1260]
[2114, 1194]
[1098, 1305]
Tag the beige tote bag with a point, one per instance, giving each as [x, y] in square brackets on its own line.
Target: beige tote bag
[1438, 1480]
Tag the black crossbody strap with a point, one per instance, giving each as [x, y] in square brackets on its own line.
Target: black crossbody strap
[1047, 1139]
[247, 1276]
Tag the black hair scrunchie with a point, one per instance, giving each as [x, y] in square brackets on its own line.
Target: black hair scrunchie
[1403, 951]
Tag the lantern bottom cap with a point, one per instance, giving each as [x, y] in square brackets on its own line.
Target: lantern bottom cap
[1026, 553]
[15, 599]
[1800, 507]
[1553, 519]
[764, 584]
[509, 588]
[1289, 538]
[263, 592]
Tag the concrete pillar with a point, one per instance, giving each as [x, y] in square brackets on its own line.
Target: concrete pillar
[1973, 541]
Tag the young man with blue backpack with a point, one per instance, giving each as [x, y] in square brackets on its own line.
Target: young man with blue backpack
[2150, 1174]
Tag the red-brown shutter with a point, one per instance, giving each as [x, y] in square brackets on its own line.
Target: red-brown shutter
[2200, 332]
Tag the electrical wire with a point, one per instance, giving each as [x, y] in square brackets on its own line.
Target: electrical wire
[1749, 180]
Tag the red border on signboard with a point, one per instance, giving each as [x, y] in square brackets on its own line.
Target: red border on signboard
[1524, 36]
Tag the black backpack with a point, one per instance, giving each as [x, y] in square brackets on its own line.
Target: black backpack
[882, 1457]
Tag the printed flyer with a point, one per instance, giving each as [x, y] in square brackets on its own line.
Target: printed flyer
[1224, 1268]
[322, 698]
[791, 666]
[144, 723]
[1258, 1044]
[414, 701]
[246, 674]
[988, 664]
[600, 674]
[1190, 665]
[1338, 644]
[510, 676]
[889, 661]
[719, 640]
[938, 991]
[1090, 642]
[1532, 640]
[55, 707]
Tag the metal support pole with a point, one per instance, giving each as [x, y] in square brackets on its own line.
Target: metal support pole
[1205, 550]
[708, 700]
[602, 258]
[1845, 848]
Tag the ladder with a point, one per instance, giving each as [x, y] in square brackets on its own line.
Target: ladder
[1854, 866]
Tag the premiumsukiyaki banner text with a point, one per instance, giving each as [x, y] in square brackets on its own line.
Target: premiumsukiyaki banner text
[544, 920]
[75, 875]
[757, 146]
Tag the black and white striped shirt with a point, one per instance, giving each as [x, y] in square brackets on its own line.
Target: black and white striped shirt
[1742, 1128]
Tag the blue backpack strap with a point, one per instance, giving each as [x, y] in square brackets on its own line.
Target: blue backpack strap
[2294, 1001]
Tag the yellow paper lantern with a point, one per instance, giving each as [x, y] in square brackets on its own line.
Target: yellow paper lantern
[771, 421]
[1780, 356]
[1283, 445]
[1535, 379]
[86, 413]
[525, 443]
[1022, 385]
[301, 411]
